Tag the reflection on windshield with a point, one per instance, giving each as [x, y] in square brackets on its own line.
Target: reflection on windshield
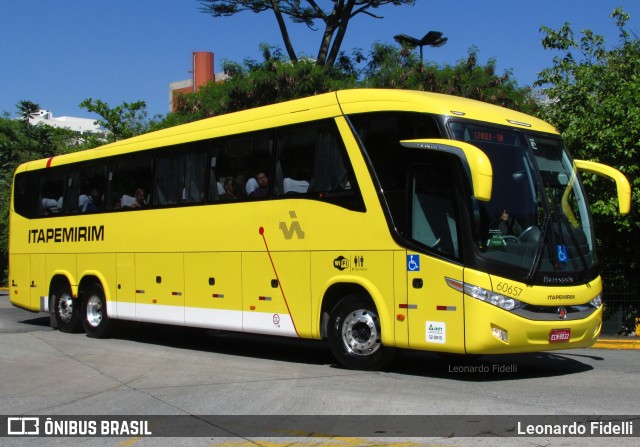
[538, 218]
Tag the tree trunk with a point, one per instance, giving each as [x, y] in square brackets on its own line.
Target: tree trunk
[284, 32]
[343, 21]
[331, 23]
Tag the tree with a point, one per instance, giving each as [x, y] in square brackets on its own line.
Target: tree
[276, 79]
[594, 100]
[21, 142]
[28, 110]
[308, 12]
[123, 121]
[255, 84]
[391, 67]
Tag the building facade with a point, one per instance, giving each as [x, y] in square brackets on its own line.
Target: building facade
[202, 72]
[79, 125]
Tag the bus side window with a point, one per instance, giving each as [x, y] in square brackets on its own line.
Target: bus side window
[180, 175]
[26, 194]
[215, 187]
[240, 158]
[434, 221]
[294, 164]
[312, 160]
[52, 188]
[329, 170]
[169, 178]
[195, 172]
[127, 174]
[86, 187]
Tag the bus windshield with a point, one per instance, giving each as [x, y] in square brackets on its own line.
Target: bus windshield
[537, 218]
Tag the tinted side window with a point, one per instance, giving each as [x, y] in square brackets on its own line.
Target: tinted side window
[52, 189]
[26, 194]
[434, 221]
[130, 176]
[87, 186]
[180, 175]
[40, 193]
[312, 162]
[381, 133]
[236, 162]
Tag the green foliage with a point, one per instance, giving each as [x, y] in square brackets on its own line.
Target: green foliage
[28, 110]
[390, 67]
[594, 100]
[19, 143]
[276, 79]
[123, 121]
[256, 84]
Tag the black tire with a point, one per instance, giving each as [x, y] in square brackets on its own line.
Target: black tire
[95, 320]
[355, 337]
[66, 310]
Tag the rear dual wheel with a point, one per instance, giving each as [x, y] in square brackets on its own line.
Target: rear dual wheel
[66, 310]
[95, 320]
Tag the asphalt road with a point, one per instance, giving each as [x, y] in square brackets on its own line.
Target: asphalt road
[154, 370]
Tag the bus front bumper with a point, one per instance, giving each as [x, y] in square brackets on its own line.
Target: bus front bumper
[491, 330]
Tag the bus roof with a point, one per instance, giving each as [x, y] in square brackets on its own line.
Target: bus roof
[363, 100]
[326, 105]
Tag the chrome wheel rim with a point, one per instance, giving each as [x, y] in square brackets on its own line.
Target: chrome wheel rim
[94, 311]
[65, 308]
[360, 332]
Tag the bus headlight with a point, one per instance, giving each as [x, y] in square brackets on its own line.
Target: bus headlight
[501, 301]
[597, 301]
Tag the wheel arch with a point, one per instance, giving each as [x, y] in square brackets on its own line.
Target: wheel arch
[58, 280]
[91, 277]
[61, 278]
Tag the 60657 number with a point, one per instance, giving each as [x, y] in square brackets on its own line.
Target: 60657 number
[508, 289]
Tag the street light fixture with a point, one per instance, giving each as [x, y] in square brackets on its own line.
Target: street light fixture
[432, 39]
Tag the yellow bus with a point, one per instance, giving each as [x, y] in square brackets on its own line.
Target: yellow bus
[374, 219]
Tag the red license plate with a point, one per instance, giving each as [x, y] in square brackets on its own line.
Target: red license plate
[559, 335]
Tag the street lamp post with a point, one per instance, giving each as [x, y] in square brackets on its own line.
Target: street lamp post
[432, 39]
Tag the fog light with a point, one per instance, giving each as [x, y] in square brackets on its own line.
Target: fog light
[500, 334]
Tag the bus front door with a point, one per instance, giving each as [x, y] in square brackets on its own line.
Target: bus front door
[434, 307]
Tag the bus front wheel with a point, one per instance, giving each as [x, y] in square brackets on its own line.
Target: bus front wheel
[95, 320]
[355, 337]
[66, 311]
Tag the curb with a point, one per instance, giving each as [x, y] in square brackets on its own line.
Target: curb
[617, 344]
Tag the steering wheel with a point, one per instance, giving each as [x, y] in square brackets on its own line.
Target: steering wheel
[528, 234]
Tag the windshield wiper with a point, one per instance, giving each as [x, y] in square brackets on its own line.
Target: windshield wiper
[574, 241]
[541, 243]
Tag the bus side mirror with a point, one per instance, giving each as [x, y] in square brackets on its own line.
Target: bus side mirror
[622, 184]
[476, 162]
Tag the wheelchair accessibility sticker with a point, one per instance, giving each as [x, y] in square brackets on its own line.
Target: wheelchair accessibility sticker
[562, 254]
[413, 263]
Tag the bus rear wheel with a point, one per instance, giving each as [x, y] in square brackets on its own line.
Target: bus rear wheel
[66, 310]
[355, 337]
[96, 322]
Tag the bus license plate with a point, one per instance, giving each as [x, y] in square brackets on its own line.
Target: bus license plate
[559, 335]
